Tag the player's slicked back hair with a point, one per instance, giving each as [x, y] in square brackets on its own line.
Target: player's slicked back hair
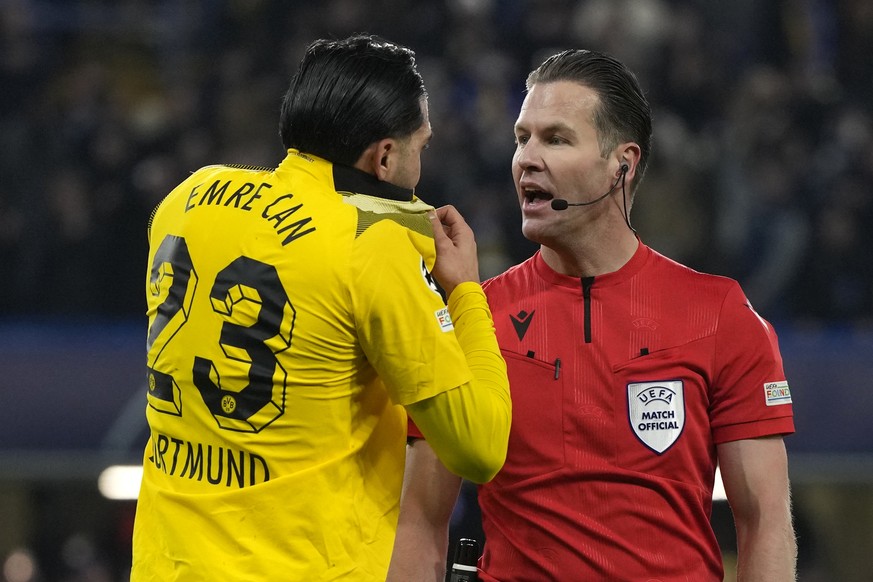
[623, 114]
[348, 94]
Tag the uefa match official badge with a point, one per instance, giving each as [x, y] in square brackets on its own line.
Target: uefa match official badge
[656, 411]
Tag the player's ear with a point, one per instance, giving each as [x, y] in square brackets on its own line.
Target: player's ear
[378, 158]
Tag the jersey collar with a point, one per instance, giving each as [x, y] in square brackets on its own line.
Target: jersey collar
[349, 179]
[346, 178]
[631, 268]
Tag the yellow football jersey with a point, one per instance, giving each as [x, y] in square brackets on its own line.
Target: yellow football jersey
[291, 312]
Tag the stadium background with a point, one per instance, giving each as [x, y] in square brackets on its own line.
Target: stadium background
[762, 170]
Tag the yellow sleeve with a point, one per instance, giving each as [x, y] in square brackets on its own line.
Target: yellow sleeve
[400, 318]
[468, 427]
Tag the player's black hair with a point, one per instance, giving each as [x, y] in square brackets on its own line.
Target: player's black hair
[624, 113]
[348, 94]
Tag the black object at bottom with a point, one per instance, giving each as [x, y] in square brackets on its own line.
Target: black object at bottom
[464, 566]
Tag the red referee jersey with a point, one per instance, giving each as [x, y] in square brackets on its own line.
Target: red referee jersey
[622, 385]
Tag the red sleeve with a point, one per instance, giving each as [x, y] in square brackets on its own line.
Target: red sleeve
[750, 396]
[412, 430]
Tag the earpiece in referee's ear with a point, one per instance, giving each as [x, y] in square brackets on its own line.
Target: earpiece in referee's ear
[623, 168]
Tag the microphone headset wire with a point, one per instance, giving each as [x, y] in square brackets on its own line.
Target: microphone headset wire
[624, 202]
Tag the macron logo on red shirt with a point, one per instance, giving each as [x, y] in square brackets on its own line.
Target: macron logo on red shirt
[521, 322]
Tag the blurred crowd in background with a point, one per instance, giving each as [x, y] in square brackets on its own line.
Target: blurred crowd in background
[762, 166]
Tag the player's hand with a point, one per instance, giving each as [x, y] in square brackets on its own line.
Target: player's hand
[456, 258]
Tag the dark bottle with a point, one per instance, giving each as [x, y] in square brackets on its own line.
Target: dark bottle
[464, 566]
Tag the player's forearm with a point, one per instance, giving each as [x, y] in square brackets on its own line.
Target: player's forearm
[468, 427]
[420, 547]
[414, 558]
[426, 505]
[767, 550]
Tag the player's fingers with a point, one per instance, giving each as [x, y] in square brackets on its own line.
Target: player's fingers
[455, 225]
[439, 230]
[449, 215]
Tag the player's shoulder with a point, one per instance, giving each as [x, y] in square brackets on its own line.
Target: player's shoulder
[512, 275]
[511, 280]
[712, 298]
[219, 174]
[680, 275]
[230, 171]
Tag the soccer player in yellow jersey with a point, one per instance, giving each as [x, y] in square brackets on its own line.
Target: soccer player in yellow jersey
[293, 322]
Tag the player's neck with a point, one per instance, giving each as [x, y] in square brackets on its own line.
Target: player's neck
[590, 257]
